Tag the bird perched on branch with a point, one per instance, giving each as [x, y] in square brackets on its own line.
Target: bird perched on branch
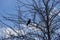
[28, 22]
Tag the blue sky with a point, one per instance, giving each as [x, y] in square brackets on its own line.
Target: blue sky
[7, 6]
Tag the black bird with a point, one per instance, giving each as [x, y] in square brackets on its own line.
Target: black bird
[28, 22]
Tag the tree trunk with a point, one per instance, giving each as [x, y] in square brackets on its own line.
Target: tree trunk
[47, 21]
[47, 25]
